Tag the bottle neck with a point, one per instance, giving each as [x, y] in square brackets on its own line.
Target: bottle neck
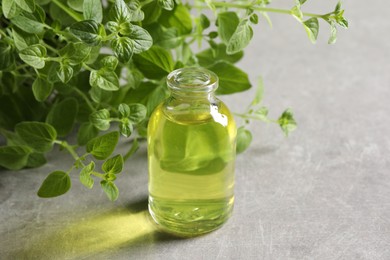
[192, 84]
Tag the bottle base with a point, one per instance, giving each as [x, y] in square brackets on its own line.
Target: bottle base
[188, 218]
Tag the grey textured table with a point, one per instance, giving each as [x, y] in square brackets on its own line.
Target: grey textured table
[323, 193]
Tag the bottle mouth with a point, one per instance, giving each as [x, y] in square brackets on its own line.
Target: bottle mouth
[192, 79]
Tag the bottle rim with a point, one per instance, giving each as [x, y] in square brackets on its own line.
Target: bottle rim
[192, 79]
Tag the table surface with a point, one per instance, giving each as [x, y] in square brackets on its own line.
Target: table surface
[322, 193]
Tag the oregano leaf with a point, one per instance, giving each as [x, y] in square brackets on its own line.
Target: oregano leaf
[244, 139]
[93, 10]
[113, 165]
[34, 55]
[41, 89]
[14, 157]
[110, 189]
[101, 147]
[101, 119]
[287, 122]
[85, 175]
[311, 26]
[37, 135]
[55, 184]
[240, 38]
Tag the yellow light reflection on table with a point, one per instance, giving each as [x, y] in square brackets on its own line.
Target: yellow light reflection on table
[88, 236]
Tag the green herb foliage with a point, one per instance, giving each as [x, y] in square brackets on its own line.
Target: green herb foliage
[99, 67]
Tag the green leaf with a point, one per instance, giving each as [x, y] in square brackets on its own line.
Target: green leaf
[28, 23]
[26, 5]
[204, 21]
[109, 62]
[75, 53]
[10, 8]
[227, 25]
[141, 39]
[254, 18]
[110, 189]
[37, 135]
[120, 12]
[148, 94]
[101, 147]
[22, 40]
[180, 18]
[240, 38]
[311, 26]
[151, 12]
[62, 116]
[55, 184]
[64, 72]
[297, 13]
[261, 114]
[87, 31]
[101, 119]
[333, 34]
[154, 63]
[7, 58]
[12, 138]
[14, 157]
[123, 48]
[213, 55]
[137, 15]
[231, 78]
[287, 122]
[342, 22]
[42, 2]
[104, 79]
[167, 4]
[99, 95]
[93, 10]
[126, 127]
[86, 132]
[85, 175]
[259, 93]
[34, 55]
[41, 89]
[76, 5]
[114, 165]
[168, 38]
[244, 139]
[124, 110]
[137, 113]
[36, 160]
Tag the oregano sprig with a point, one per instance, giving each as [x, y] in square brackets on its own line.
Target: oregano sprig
[98, 68]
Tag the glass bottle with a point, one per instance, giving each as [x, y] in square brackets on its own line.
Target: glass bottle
[191, 156]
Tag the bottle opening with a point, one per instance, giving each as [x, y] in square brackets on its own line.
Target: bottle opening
[193, 79]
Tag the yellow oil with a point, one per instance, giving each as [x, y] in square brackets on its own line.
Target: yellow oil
[191, 169]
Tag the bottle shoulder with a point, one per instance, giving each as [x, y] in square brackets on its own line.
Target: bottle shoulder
[214, 112]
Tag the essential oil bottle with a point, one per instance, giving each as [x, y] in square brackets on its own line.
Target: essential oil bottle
[191, 156]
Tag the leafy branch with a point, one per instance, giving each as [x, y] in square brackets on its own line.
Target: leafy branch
[99, 69]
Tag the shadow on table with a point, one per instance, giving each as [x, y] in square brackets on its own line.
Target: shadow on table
[121, 229]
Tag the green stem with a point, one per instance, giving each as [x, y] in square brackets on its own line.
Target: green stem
[68, 147]
[146, 2]
[100, 175]
[6, 38]
[262, 9]
[132, 150]
[49, 47]
[246, 116]
[78, 17]
[85, 66]
[82, 94]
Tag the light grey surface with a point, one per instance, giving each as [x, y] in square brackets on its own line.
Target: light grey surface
[323, 193]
